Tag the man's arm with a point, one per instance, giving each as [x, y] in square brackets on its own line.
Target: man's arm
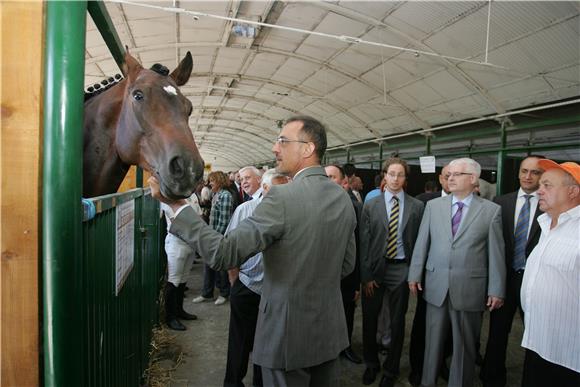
[496, 262]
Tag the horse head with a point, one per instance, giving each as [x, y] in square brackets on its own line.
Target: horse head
[153, 129]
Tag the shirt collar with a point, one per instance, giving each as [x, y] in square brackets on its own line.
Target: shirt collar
[466, 201]
[521, 193]
[303, 169]
[389, 195]
[257, 194]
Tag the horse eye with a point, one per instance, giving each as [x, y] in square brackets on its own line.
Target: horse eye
[138, 95]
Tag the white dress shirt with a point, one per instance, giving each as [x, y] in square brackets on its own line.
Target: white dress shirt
[252, 271]
[550, 293]
[520, 201]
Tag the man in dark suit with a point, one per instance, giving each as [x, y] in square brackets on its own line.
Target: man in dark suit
[388, 231]
[522, 203]
[349, 285]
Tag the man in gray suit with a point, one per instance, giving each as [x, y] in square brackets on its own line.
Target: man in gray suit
[305, 230]
[388, 231]
[461, 249]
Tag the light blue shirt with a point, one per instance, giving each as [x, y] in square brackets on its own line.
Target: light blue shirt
[252, 271]
[389, 203]
[373, 194]
[466, 204]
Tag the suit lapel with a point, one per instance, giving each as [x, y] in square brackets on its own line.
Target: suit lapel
[535, 225]
[445, 216]
[474, 210]
[512, 213]
[381, 208]
[406, 211]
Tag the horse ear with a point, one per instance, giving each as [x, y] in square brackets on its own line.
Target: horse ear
[181, 74]
[131, 67]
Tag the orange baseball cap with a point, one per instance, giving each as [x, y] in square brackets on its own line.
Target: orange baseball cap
[568, 167]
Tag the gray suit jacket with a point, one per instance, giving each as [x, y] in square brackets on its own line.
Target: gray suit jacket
[470, 266]
[374, 231]
[306, 232]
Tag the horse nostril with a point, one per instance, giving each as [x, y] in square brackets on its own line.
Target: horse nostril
[176, 167]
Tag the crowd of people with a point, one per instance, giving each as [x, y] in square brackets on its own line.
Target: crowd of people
[295, 248]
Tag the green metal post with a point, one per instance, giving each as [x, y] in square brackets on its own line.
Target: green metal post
[501, 160]
[347, 155]
[61, 205]
[428, 145]
[380, 155]
[102, 20]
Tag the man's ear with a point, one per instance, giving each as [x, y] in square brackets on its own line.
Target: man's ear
[309, 149]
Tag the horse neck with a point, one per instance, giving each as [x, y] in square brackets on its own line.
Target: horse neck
[103, 170]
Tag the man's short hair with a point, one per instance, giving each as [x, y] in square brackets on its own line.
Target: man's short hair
[397, 160]
[314, 130]
[270, 175]
[472, 165]
[340, 169]
[349, 169]
[254, 170]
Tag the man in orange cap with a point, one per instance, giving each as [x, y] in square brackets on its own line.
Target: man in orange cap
[551, 286]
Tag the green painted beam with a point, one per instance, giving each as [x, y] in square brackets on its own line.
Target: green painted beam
[64, 64]
[100, 15]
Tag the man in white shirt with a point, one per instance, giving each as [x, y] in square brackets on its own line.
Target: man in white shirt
[550, 294]
[521, 232]
[246, 282]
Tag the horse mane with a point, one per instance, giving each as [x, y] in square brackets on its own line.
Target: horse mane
[107, 83]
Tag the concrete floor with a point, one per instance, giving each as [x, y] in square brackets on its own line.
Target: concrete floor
[204, 345]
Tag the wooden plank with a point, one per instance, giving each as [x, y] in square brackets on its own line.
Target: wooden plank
[20, 190]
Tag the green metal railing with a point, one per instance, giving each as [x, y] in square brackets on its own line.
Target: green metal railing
[91, 336]
[118, 328]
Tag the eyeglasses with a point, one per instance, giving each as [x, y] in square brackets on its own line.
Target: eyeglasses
[457, 174]
[283, 140]
[393, 176]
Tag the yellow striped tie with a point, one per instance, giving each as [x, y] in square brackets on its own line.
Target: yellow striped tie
[393, 228]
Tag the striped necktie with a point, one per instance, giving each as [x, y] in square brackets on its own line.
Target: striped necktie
[393, 229]
[521, 235]
[456, 220]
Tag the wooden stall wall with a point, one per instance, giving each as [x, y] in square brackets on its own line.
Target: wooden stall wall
[20, 189]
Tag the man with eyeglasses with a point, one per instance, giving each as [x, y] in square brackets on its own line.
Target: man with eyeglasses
[521, 233]
[388, 231]
[460, 252]
[305, 230]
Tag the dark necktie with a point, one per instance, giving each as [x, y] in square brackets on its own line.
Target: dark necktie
[393, 229]
[456, 220]
[521, 235]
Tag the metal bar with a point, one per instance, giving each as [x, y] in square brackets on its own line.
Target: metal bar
[501, 160]
[61, 204]
[100, 15]
[524, 149]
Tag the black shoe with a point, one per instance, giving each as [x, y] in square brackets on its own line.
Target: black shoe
[370, 376]
[444, 371]
[175, 325]
[387, 381]
[350, 355]
[415, 379]
[182, 314]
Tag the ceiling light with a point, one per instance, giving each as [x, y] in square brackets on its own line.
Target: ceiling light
[244, 31]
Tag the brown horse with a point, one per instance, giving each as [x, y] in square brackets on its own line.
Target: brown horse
[142, 120]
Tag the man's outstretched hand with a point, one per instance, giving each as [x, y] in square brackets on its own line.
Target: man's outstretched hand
[156, 194]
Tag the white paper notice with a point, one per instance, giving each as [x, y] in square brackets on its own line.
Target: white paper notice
[427, 164]
[125, 244]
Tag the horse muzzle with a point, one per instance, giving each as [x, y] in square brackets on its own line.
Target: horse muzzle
[180, 176]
